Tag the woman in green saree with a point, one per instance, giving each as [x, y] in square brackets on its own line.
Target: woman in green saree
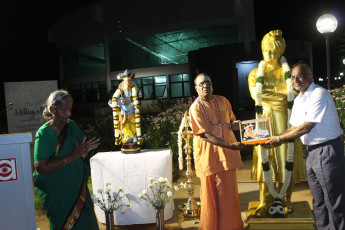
[62, 167]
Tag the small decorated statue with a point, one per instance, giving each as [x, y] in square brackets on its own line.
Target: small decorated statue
[127, 124]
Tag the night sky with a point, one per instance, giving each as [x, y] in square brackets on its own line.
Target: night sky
[28, 56]
[297, 20]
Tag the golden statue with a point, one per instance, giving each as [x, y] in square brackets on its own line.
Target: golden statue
[268, 87]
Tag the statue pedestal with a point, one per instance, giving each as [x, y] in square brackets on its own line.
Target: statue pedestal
[130, 148]
[302, 218]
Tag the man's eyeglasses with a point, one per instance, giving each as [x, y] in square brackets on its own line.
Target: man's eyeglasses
[205, 83]
[299, 77]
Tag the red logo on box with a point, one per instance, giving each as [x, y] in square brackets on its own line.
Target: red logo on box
[8, 169]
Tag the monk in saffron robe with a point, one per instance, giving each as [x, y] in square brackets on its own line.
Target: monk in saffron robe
[216, 158]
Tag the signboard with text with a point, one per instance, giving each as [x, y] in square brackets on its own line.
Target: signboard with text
[25, 104]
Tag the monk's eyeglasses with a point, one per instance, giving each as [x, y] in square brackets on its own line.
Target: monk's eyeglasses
[205, 83]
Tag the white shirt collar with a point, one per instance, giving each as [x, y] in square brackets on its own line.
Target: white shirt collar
[311, 87]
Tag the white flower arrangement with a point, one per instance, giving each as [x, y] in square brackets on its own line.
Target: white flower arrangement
[110, 202]
[158, 193]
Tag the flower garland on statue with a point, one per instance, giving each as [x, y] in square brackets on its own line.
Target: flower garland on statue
[137, 115]
[290, 145]
[116, 109]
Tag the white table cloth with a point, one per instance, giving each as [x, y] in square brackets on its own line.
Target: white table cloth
[132, 172]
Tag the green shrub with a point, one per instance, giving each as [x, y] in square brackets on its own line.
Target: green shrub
[102, 127]
[338, 96]
[160, 131]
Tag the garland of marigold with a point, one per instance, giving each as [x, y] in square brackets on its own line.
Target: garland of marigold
[116, 109]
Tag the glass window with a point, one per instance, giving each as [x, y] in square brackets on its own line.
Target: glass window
[91, 93]
[102, 85]
[147, 80]
[137, 81]
[186, 77]
[95, 85]
[179, 85]
[160, 86]
[147, 83]
[176, 90]
[114, 85]
[176, 78]
[186, 88]
[160, 80]
[102, 91]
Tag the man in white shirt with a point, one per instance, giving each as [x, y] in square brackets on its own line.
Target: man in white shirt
[315, 120]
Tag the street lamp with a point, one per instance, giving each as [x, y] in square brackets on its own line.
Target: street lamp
[327, 24]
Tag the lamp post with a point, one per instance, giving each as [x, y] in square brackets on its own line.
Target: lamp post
[327, 24]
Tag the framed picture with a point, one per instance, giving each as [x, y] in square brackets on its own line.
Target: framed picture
[255, 131]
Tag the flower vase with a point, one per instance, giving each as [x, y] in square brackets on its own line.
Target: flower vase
[109, 220]
[160, 219]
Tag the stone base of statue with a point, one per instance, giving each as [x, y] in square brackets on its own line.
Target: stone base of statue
[130, 148]
[302, 218]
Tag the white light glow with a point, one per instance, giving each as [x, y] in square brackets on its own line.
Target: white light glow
[327, 23]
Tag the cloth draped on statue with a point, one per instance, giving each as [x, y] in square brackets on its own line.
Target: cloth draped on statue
[215, 165]
[274, 105]
[60, 189]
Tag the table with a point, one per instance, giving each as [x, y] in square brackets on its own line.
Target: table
[132, 172]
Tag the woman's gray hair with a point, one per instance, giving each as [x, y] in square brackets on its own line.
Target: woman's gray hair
[55, 99]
